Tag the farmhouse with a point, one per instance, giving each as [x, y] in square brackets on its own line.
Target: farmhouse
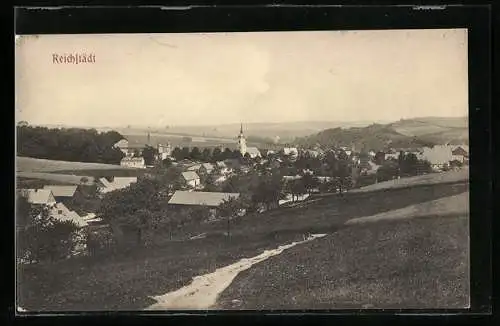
[62, 193]
[199, 198]
[38, 196]
[164, 151]
[194, 168]
[105, 186]
[191, 179]
[122, 145]
[206, 168]
[291, 151]
[222, 167]
[62, 213]
[133, 162]
[253, 152]
[461, 154]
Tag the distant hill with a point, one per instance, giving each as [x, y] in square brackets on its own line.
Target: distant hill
[409, 133]
[285, 131]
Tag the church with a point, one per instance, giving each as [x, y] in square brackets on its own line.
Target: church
[242, 146]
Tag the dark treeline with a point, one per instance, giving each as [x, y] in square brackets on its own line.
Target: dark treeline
[206, 154]
[72, 144]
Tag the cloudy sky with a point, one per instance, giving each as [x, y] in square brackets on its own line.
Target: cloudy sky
[195, 79]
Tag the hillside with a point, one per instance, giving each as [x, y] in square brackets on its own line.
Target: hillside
[113, 282]
[408, 133]
[286, 131]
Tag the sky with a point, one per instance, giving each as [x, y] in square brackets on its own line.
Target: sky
[219, 78]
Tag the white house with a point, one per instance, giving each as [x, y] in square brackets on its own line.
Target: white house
[61, 192]
[122, 145]
[62, 213]
[38, 196]
[194, 167]
[222, 167]
[438, 156]
[133, 162]
[191, 179]
[291, 151]
[253, 152]
[164, 151]
[206, 168]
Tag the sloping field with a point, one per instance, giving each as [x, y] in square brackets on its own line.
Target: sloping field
[453, 205]
[28, 164]
[417, 263]
[427, 179]
[126, 281]
[55, 177]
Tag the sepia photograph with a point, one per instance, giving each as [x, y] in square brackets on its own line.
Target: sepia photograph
[298, 170]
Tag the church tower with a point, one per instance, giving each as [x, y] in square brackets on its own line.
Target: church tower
[242, 143]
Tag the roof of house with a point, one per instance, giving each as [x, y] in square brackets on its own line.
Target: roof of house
[208, 166]
[190, 175]
[253, 151]
[121, 143]
[38, 196]
[460, 151]
[133, 159]
[199, 198]
[121, 182]
[221, 164]
[195, 167]
[61, 191]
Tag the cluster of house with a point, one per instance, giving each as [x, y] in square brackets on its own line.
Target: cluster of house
[57, 197]
[54, 198]
[133, 152]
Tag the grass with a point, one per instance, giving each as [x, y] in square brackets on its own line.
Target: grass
[124, 282]
[96, 173]
[28, 164]
[53, 178]
[419, 264]
[426, 179]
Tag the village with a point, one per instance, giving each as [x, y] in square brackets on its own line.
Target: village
[195, 181]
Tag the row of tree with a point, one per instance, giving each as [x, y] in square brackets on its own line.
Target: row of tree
[72, 144]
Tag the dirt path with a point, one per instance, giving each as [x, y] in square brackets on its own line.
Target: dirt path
[203, 291]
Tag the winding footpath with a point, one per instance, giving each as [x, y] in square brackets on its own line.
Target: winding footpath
[203, 291]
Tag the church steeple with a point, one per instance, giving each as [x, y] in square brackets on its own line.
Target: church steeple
[242, 144]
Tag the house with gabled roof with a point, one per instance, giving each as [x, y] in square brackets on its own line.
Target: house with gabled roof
[104, 185]
[200, 198]
[191, 179]
[38, 196]
[62, 192]
[253, 152]
[206, 168]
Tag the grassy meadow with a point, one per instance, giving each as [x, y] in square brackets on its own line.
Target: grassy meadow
[380, 264]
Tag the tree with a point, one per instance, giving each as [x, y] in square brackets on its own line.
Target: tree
[227, 154]
[230, 208]
[41, 237]
[195, 154]
[206, 155]
[310, 182]
[149, 154]
[130, 208]
[69, 144]
[185, 153]
[216, 155]
[177, 154]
